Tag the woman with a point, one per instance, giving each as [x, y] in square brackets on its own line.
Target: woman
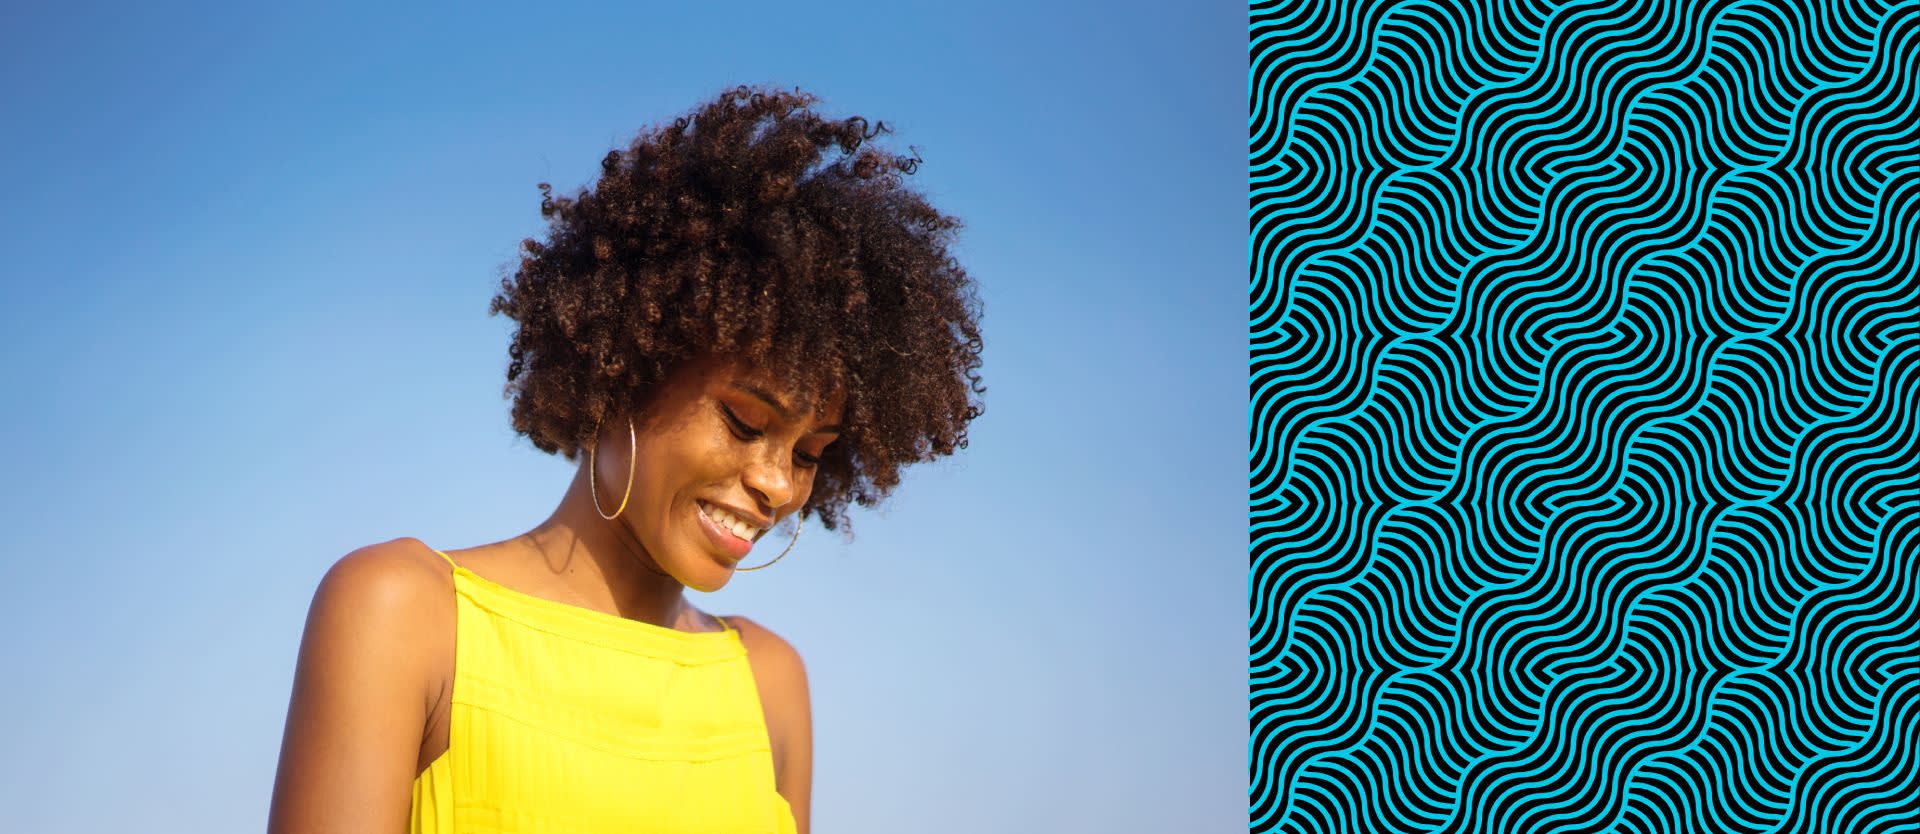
[727, 330]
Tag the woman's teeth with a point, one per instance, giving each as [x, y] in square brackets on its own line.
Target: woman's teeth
[727, 521]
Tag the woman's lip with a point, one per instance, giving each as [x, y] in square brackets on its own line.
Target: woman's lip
[727, 542]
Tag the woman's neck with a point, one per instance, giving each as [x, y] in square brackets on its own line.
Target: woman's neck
[603, 565]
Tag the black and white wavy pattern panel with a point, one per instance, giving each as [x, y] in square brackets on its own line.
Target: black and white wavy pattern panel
[1584, 447]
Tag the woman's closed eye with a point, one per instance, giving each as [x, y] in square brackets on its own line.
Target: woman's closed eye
[751, 433]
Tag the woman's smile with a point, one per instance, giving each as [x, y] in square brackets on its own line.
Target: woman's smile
[728, 541]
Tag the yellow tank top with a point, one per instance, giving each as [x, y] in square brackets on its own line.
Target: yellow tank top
[567, 719]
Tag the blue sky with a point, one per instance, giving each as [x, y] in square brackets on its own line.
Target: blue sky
[248, 257]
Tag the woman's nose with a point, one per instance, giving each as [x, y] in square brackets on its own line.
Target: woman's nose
[772, 480]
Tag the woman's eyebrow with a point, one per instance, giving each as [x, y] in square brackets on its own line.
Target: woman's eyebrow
[774, 402]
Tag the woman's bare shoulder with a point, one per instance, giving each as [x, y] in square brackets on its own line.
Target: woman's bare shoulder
[764, 641]
[397, 591]
[402, 572]
[363, 683]
[778, 673]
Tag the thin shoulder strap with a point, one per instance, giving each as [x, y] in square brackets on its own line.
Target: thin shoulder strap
[449, 559]
[723, 621]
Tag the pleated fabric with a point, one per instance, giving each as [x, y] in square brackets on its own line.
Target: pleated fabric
[567, 719]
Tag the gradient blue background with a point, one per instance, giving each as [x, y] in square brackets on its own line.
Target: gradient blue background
[248, 258]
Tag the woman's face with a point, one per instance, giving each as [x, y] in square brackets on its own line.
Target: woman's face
[717, 437]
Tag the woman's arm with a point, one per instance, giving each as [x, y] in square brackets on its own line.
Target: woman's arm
[796, 773]
[781, 680]
[360, 698]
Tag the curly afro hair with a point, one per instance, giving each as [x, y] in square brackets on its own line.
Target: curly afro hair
[731, 233]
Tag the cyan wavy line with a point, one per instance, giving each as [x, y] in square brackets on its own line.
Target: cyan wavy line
[1584, 406]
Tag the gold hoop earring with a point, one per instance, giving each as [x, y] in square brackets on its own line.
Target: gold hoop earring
[783, 553]
[593, 474]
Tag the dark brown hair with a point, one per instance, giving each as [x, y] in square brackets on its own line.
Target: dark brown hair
[731, 232]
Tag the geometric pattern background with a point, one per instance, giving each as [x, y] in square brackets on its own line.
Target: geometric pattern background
[1584, 416]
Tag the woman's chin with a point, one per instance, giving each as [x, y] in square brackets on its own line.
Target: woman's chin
[709, 586]
[710, 573]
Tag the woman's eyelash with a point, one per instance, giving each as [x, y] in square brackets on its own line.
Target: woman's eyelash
[738, 423]
[753, 433]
